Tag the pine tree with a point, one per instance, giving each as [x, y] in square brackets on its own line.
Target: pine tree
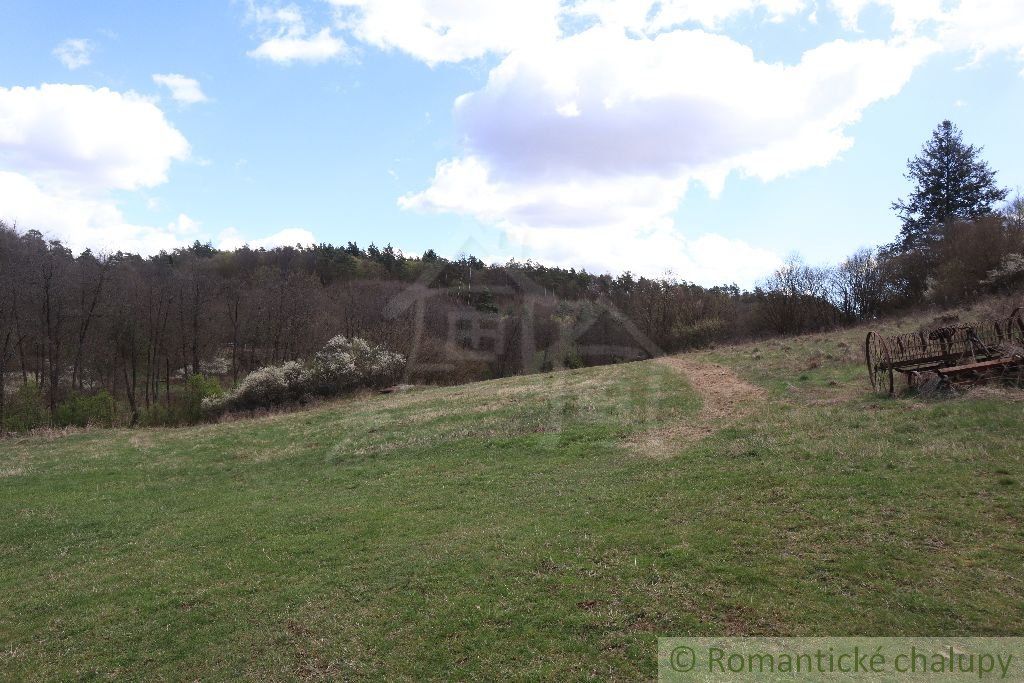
[951, 182]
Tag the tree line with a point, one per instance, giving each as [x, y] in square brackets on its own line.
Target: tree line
[144, 332]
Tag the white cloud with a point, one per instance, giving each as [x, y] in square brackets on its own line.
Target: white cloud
[97, 223]
[980, 27]
[74, 52]
[435, 31]
[183, 89]
[466, 185]
[184, 226]
[601, 134]
[601, 113]
[653, 17]
[231, 238]
[907, 16]
[707, 259]
[87, 138]
[603, 122]
[65, 148]
[285, 38]
[84, 222]
[654, 106]
[288, 49]
[986, 27]
[606, 226]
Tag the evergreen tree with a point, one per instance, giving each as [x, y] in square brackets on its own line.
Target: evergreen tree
[951, 182]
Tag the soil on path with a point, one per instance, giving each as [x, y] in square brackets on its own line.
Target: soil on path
[725, 399]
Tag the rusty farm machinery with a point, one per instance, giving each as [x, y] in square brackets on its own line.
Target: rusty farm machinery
[953, 355]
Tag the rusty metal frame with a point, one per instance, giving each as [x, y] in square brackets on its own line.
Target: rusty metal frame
[959, 354]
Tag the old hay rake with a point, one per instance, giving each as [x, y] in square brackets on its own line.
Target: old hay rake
[954, 355]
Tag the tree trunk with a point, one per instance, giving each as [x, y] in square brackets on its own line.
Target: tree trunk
[130, 394]
[3, 383]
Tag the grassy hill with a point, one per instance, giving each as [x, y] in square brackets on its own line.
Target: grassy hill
[544, 526]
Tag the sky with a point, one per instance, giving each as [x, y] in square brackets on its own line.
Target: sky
[703, 140]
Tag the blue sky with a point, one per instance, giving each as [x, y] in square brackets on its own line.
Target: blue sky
[708, 140]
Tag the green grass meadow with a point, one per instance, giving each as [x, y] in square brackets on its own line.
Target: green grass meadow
[513, 528]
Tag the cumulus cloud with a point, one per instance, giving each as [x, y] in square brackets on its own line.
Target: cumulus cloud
[601, 133]
[979, 27]
[288, 49]
[906, 16]
[467, 185]
[74, 52]
[653, 17]
[87, 138]
[65, 148]
[986, 27]
[609, 225]
[183, 89]
[231, 238]
[707, 259]
[83, 221]
[640, 107]
[286, 39]
[601, 113]
[435, 31]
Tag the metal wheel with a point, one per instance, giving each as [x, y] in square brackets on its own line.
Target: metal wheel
[879, 360]
[1016, 321]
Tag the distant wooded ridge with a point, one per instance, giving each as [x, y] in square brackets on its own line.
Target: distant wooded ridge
[138, 327]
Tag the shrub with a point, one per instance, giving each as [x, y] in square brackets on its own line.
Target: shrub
[212, 406]
[573, 360]
[1009, 275]
[342, 365]
[197, 389]
[271, 385]
[157, 415]
[82, 411]
[25, 409]
[699, 334]
[345, 363]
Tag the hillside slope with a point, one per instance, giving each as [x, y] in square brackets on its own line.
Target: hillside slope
[547, 526]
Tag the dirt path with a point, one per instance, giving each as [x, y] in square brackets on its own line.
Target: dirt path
[725, 396]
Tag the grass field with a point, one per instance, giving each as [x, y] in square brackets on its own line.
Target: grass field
[549, 526]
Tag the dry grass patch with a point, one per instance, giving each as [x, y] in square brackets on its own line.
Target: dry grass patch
[726, 398]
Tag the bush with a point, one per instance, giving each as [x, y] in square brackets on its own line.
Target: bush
[1008, 276]
[82, 411]
[699, 334]
[271, 385]
[25, 409]
[213, 406]
[342, 365]
[197, 389]
[157, 415]
[573, 360]
[187, 407]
